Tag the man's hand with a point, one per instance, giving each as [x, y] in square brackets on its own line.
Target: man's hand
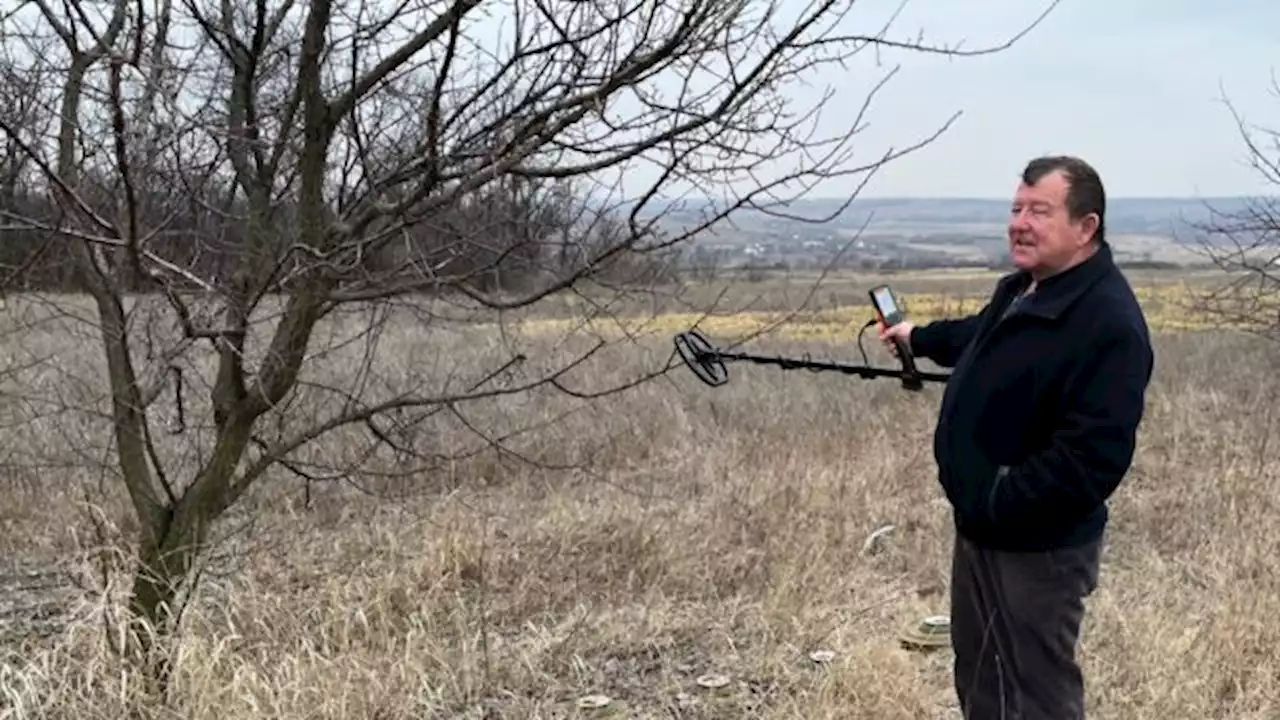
[901, 331]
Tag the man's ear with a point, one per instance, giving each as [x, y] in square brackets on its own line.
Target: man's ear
[1089, 224]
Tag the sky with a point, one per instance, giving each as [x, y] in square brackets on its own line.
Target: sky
[1136, 87]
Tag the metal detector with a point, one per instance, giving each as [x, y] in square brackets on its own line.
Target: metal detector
[708, 362]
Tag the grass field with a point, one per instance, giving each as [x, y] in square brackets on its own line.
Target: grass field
[648, 538]
[835, 309]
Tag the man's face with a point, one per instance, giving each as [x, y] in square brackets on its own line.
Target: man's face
[1043, 239]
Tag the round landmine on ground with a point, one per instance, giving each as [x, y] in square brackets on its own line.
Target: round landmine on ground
[930, 633]
[822, 656]
[594, 702]
[712, 681]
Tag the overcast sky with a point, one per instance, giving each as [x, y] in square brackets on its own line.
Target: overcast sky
[1134, 86]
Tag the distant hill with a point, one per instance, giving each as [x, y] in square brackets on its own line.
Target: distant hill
[1124, 215]
[935, 231]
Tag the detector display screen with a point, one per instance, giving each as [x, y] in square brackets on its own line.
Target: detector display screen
[884, 301]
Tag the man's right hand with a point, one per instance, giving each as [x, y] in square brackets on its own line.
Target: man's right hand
[901, 331]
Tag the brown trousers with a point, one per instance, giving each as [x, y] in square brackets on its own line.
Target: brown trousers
[1015, 623]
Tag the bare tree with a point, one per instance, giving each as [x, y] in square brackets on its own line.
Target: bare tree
[1242, 238]
[21, 97]
[286, 161]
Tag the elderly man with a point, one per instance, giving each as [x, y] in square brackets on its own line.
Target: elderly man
[1036, 430]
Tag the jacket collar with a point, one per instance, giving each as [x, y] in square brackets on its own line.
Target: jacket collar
[1055, 294]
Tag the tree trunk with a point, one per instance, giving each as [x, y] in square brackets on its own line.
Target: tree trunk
[164, 565]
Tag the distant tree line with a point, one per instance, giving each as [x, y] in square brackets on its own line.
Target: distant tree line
[498, 238]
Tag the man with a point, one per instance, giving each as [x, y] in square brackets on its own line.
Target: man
[1036, 430]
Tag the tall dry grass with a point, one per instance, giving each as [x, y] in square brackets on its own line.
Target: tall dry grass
[703, 531]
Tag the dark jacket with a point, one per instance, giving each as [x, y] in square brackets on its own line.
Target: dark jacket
[1038, 421]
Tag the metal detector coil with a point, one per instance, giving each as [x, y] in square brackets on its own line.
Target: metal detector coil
[702, 357]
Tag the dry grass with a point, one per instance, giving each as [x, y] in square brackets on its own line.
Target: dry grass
[707, 531]
[1168, 307]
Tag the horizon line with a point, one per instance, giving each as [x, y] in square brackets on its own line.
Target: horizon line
[993, 198]
[1007, 198]
[975, 198]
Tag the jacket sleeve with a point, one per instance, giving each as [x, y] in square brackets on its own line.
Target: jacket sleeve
[943, 341]
[1093, 445]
